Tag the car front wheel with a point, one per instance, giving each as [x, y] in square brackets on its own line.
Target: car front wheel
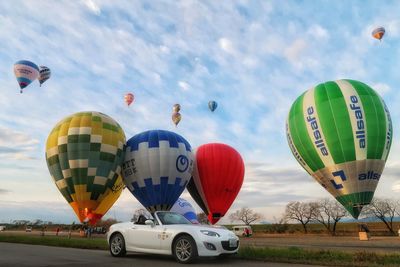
[185, 249]
[117, 245]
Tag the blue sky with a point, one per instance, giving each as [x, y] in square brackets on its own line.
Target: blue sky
[253, 57]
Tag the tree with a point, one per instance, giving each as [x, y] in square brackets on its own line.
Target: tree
[280, 225]
[301, 212]
[328, 213]
[202, 218]
[37, 222]
[139, 212]
[383, 209]
[246, 215]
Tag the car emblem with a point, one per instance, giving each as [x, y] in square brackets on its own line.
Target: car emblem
[163, 236]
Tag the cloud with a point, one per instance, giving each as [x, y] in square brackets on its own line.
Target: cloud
[92, 6]
[318, 32]
[392, 28]
[226, 45]
[381, 88]
[16, 145]
[4, 191]
[183, 85]
[294, 51]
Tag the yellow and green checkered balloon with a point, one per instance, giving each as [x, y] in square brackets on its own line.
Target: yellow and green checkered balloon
[84, 153]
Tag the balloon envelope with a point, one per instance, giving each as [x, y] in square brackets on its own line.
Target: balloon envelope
[26, 72]
[129, 98]
[341, 132]
[158, 165]
[176, 118]
[217, 179]
[183, 207]
[176, 108]
[84, 153]
[212, 105]
[44, 74]
[378, 33]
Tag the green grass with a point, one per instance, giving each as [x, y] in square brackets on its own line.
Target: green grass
[57, 241]
[323, 257]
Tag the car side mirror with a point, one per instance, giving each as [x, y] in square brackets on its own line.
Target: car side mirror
[149, 222]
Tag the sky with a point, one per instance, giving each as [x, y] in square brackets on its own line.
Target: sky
[253, 57]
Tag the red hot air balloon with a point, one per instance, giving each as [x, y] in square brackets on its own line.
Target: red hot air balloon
[217, 179]
[129, 98]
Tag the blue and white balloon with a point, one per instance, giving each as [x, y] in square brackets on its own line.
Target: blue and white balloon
[212, 105]
[158, 165]
[183, 207]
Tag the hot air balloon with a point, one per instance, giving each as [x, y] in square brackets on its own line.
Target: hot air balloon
[44, 74]
[176, 118]
[129, 98]
[176, 108]
[183, 207]
[217, 179]
[341, 132]
[158, 165]
[378, 33]
[212, 105]
[84, 154]
[25, 72]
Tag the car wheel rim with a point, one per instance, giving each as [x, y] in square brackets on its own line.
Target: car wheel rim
[116, 245]
[183, 250]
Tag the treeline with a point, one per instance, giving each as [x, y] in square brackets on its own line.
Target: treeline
[49, 225]
[325, 215]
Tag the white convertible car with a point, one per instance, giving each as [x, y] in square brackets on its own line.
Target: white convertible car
[170, 233]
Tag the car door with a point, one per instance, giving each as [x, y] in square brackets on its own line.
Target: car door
[144, 237]
[167, 235]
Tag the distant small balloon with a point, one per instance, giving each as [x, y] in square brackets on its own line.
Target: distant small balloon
[378, 33]
[212, 105]
[26, 72]
[176, 118]
[129, 98]
[176, 108]
[44, 74]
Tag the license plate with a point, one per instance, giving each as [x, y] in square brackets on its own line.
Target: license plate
[232, 243]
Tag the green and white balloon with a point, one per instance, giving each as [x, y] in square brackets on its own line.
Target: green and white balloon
[341, 132]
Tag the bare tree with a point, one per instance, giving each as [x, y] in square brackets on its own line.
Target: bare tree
[202, 218]
[246, 215]
[383, 209]
[301, 212]
[328, 213]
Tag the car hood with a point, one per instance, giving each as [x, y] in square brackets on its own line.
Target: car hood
[198, 227]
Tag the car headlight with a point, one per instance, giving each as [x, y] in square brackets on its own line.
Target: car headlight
[209, 233]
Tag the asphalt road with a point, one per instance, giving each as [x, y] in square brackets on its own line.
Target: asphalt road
[21, 255]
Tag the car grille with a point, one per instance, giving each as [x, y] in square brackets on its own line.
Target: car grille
[225, 245]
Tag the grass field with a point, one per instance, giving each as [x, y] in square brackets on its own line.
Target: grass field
[347, 228]
[320, 257]
[57, 241]
[247, 251]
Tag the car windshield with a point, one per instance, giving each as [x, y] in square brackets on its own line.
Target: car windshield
[172, 218]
